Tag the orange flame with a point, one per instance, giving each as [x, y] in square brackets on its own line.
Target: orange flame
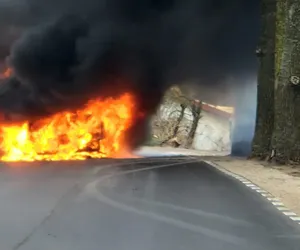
[7, 73]
[96, 131]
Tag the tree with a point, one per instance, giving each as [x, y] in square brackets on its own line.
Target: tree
[196, 111]
[278, 113]
[175, 95]
[266, 75]
[165, 130]
[173, 127]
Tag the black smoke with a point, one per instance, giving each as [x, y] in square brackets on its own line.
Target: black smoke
[66, 52]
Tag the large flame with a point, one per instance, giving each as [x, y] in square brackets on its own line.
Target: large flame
[96, 131]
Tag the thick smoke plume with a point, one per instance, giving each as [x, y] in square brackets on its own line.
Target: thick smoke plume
[66, 52]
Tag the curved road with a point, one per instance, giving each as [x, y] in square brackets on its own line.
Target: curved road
[163, 203]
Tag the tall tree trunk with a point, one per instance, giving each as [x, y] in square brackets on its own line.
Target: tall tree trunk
[180, 117]
[176, 127]
[265, 92]
[286, 133]
[196, 111]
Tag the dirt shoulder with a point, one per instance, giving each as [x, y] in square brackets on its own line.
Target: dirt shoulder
[282, 182]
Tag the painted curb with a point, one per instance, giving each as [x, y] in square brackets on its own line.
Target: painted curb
[269, 197]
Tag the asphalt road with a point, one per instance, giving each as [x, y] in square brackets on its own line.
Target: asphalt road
[167, 203]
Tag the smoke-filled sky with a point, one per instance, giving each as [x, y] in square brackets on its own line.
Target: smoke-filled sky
[209, 35]
[64, 51]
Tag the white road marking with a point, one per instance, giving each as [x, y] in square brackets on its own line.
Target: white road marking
[261, 191]
[289, 213]
[295, 218]
[246, 182]
[277, 203]
[274, 199]
[282, 208]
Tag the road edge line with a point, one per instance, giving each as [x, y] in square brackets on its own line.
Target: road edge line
[276, 202]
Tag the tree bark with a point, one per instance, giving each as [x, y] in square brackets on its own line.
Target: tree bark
[284, 120]
[286, 134]
[176, 128]
[196, 111]
[265, 88]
